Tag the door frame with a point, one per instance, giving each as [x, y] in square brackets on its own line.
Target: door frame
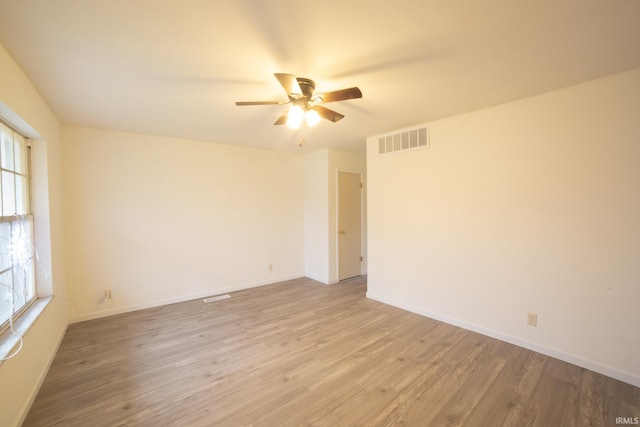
[337, 218]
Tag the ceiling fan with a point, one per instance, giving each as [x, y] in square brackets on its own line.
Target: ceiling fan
[305, 105]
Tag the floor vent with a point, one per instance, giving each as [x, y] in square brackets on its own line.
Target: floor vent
[406, 140]
[216, 298]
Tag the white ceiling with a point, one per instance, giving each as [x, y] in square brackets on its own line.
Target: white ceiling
[175, 68]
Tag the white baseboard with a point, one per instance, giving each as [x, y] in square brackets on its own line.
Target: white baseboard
[570, 358]
[158, 303]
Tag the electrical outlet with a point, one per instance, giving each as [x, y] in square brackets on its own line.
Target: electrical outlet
[107, 294]
[270, 267]
[532, 319]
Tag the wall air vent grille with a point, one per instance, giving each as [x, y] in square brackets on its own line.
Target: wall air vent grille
[406, 140]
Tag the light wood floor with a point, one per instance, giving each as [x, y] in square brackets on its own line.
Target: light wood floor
[300, 353]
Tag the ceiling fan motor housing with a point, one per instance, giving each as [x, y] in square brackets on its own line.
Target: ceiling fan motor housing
[307, 86]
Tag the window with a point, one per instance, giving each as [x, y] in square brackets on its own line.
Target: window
[17, 271]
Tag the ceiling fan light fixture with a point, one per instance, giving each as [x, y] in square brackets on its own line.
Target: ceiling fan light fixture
[304, 104]
[312, 117]
[294, 117]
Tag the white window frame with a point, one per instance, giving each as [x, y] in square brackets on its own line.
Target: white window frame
[21, 222]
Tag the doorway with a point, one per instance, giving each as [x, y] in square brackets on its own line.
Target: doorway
[349, 225]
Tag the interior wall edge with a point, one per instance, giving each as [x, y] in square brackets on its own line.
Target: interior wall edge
[318, 279]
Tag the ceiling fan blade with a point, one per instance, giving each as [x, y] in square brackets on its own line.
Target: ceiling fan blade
[340, 95]
[290, 84]
[282, 120]
[328, 114]
[260, 102]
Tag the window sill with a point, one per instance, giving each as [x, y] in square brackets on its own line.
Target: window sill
[9, 341]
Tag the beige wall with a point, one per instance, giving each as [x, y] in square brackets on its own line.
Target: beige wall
[531, 206]
[316, 215]
[159, 220]
[22, 106]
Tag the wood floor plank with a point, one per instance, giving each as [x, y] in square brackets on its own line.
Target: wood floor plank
[501, 404]
[299, 353]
